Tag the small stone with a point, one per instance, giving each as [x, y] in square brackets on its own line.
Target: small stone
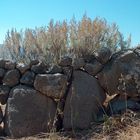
[103, 55]
[68, 72]
[65, 61]
[34, 62]
[9, 65]
[11, 78]
[93, 69]
[23, 67]
[89, 58]
[40, 68]
[28, 78]
[78, 63]
[55, 69]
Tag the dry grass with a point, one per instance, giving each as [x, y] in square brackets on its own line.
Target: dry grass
[121, 127]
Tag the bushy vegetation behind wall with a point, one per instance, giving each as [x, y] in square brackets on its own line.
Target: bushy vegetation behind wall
[76, 38]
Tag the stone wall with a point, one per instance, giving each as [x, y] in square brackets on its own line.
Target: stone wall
[69, 95]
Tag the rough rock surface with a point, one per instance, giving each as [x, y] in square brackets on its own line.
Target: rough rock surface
[34, 62]
[11, 78]
[1, 115]
[103, 55]
[68, 72]
[119, 105]
[4, 94]
[93, 68]
[122, 74]
[52, 85]
[78, 63]
[137, 51]
[2, 63]
[83, 101]
[28, 112]
[28, 78]
[23, 67]
[39, 68]
[72, 91]
[2, 72]
[55, 69]
[9, 65]
[65, 61]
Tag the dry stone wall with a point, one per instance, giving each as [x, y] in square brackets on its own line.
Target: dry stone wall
[69, 95]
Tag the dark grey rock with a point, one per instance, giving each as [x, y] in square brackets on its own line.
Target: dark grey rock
[84, 99]
[119, 105]
[89, 58]
[2, 63]
[28, 113]
[1, 115]
[34, 62]
[122, 74]
[103, 55]
[68, 72]
[93, 68]
[9, 65]
[4, 94]
[55, 69]
[78, 63]
[52, 85]
[137, 51]
[11, 78]
[23, 67]
[2, 72]
[28, 78]
[65, 61]
[40, 68]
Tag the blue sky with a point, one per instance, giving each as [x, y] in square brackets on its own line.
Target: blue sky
[23, 14]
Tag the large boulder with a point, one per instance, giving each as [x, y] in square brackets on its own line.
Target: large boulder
[122, 74]
[4, 94]
[84, 99]
[28, 113]
[11, 78]
[52, 85]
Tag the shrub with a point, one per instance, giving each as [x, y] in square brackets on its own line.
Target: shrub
[62, 38]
